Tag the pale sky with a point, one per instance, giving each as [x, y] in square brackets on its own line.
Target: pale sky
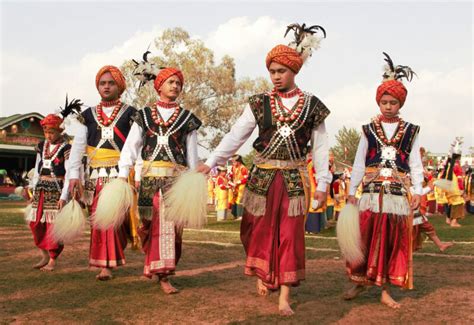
[50, 48]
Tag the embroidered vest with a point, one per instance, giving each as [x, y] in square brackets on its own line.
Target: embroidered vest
[313, 114]
[55, 164]
[118, 132]
[162, 143]
[403, 148]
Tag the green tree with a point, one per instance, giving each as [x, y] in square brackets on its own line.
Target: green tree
[347, 140]
[210, 90]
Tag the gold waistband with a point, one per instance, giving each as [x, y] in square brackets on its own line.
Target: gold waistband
[102, 157]
[161, 169]
[50, 178]
[278, 164]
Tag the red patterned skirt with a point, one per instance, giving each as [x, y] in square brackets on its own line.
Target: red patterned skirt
[274, 243]
[41, 228]
[107, 246]
[161, 242]
[386, 239]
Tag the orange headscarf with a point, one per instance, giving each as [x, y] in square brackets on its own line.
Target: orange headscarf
[52, 121]
[116, 75]
[394, 88]
[286, 56]
[166, 73]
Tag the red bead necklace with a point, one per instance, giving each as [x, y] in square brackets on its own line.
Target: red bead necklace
[381, 134]
[155, 115]
[287, 114]
[102, 118]
[384, 119]
[289, 94]
[47, 153]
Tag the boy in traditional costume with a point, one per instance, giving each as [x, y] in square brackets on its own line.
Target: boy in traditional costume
[380, 252]
[272, 228]
[102, 136]
[50, 185]
[164, 135]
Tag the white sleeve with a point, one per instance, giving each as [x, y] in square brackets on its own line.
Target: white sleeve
[131, 150]
[416, 167]
[138, 168]
[35, 178]
[358, 169]
[232, 141]
[192, 150]
[320, 155]
[78, 149]
[65, 189]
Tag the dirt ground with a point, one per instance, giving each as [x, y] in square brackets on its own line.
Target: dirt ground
[215, 291]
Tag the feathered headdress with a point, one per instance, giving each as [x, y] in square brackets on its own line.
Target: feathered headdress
[456, 146]
[71, 110]
[144, 70]
[392, 72]
[305, 39]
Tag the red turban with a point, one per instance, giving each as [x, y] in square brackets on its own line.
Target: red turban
[165, 74]
[116, 75]
[394, 88]
[52, 121]
[286, 56]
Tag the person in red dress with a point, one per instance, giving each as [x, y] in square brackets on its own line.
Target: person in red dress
[388, 150]
[50, 185]
[101, 137]
[272, 228]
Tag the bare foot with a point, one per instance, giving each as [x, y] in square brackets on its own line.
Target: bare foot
[285, 309]
[445, 246]
[262, 290]
[167, 287]
[41, 263]
[284, 301]
[455, 224]
[387, 300]
[50, 266]
[448, 221]
[104, 275]
[354, 292]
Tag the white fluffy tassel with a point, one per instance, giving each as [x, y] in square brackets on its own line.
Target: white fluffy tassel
[445, 184]
[69, 223]
[27, 213]
[348, 235]
[186, 201]
[115, 199]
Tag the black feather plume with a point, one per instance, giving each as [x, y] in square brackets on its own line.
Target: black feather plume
[398, 72]
[74, 107]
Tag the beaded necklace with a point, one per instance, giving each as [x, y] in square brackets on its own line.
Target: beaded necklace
[102, 118]
[155, 115]
[381, 134]
[283, 113]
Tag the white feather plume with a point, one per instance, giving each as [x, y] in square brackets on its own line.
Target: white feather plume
[348, 235]
[115, 200]
[69, 223]
[186, 201]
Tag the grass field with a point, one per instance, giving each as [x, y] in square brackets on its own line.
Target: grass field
[214, 289]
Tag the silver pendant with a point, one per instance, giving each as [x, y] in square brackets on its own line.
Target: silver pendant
[389, 153]
[285, 131]
[386, 172]
[47, 163]
[107, 133]
[162, 140]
